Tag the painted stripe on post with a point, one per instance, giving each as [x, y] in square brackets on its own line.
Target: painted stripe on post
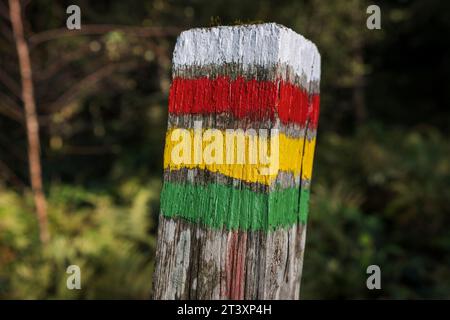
[181, 145]
[248, 99]
[233, 208]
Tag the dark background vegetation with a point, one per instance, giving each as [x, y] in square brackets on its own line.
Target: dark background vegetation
[381, 181]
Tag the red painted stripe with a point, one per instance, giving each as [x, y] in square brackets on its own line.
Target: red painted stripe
[256, 100]
[315, 110]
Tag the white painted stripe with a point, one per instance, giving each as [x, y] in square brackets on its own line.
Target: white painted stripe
[263, 44]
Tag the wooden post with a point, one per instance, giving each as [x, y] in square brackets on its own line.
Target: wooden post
[243, 111]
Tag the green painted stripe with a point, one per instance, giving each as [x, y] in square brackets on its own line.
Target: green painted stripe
[304, 205]
[217, 206]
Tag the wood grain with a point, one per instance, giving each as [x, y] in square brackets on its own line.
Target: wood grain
[195, 262]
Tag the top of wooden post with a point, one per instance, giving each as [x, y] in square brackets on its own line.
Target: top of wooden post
[264, 45]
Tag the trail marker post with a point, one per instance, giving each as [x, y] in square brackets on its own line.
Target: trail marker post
[243, 112]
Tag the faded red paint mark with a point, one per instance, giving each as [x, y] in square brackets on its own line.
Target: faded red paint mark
[235, 266]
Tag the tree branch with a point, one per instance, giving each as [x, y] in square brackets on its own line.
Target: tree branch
[99, 29]
[10, 84]
[4, 11]
[63, 61]
[8, 174]
[87, 84]
[10, 108]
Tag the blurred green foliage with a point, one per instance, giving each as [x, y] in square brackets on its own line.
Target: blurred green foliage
[380, 198]
[110, 243]
[380, 192]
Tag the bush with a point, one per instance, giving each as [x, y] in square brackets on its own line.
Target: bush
[112, 244]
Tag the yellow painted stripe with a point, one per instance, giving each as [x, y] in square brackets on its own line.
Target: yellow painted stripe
[308, 158]
[189, 148]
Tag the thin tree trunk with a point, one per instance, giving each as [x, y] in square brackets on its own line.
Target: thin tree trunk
[31, 119]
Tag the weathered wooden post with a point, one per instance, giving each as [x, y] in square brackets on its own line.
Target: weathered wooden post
[243, 111]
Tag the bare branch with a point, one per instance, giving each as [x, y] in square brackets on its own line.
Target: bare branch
[87, 84]
[9, 175]
[4, 11]
[64, 60]
[10, 83]
[10, 108]
[7, 111]
[99, 29]
[88, 150]
[6, 32]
